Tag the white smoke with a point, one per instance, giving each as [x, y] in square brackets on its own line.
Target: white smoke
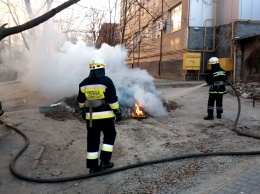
[56, 72]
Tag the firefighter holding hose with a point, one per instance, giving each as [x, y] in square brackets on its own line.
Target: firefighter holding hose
[98, 101]
[216, 79]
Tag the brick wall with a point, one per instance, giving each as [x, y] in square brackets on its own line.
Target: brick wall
[169, 69]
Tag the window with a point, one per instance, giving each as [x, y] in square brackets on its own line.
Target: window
[145, 35]
[156, 29]
[175, 18]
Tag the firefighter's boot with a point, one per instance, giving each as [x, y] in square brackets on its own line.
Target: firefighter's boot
[209, 117]
[106, 165]
[94, 170]
[219, 115]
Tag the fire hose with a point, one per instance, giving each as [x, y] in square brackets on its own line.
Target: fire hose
[174, 158]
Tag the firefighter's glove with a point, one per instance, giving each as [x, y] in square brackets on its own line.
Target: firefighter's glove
[83, 113]
[118, 115]
[118, 118]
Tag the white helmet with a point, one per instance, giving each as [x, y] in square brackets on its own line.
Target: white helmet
[97, 63]
[213, 60]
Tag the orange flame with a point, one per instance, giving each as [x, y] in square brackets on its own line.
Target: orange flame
[137, 111]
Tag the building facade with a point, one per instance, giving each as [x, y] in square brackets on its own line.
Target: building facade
[173, 39]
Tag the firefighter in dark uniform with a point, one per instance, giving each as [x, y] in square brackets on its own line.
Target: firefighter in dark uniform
[1, 109]
[216, 79]
[98, 101]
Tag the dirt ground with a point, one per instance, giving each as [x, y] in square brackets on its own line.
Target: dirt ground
[62, 141]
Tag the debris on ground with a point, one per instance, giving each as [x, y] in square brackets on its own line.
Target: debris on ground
[63, 112]
[246, 90]
[171, 105]
[182, 132]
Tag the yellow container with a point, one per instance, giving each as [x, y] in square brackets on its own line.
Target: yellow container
[191, 61]
[225, 63]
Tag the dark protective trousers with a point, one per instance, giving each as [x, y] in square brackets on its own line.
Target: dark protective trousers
[211, 101]
[107, 126]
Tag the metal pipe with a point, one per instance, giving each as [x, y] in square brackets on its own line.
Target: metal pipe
[204, 44]
[214, 23]
[234, 61]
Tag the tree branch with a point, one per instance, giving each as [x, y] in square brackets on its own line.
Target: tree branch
[4, 32]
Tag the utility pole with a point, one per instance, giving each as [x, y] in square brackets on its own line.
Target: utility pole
[139, 39]
[160, 60]
[133, 58]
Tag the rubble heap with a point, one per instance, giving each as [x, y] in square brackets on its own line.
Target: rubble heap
[246, 90]
[67, 108]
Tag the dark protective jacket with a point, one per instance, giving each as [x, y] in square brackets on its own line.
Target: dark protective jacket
[99, 89]
[216, 78]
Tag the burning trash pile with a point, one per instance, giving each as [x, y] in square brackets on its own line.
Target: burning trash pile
[67, 108]
[138, 112]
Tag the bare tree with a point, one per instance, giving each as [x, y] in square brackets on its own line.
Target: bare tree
[208, 2]
[29, 9]
[96, 19]
[134, 33]
[49, 2]
[113, 27]
[3, 48]
[110, 31]
[12, 10]
[4, 32]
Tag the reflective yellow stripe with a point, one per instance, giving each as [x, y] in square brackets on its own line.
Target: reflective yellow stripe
[95, 63]
[114, 105]
[218, 73]
[94, 92]
[82, 88]
[107, 148]
[92, 155]
[81, 105]
[101, 115]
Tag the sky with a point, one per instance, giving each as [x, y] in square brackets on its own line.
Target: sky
[37, 5]
[55, 67]
[104, 4]
[99, 4]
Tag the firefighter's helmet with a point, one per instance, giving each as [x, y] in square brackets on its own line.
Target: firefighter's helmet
[97, 63]
[213, 60]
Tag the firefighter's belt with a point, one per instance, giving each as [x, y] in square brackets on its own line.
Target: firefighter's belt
[218, 83]
[93, 104]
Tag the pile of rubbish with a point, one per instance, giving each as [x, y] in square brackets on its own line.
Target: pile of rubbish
[67, 108]
[246, 90]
